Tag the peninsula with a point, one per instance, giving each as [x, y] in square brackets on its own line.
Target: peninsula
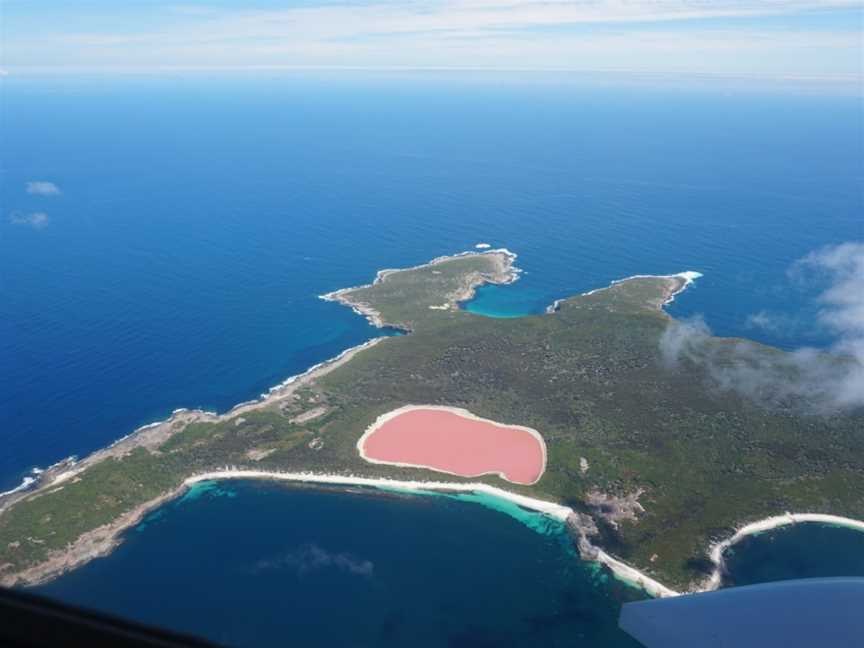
[573, 413]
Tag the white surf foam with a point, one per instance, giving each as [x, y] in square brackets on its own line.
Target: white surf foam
[24, 485]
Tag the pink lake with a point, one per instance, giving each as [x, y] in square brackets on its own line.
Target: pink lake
[452, 442]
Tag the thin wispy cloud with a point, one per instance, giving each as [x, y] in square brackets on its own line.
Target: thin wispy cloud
[768, 36]
[780, 324]
[43, 188]
[36, 220]
[311, 558]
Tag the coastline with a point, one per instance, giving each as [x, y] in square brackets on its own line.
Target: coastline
[560, 512]
[102, 540]
[716, 550]
[96, 543]
[686, 278]
[459, 411]
[154, 434]
[509, 273]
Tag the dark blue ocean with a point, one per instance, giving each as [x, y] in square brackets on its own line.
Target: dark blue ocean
[199, 217]
[325, 568]
[262, 564]
[803, 551]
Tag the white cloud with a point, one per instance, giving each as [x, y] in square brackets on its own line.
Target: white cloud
[775, 323]
[843, 309]
[820, 380]
[681, 339]
[42, 188]
[502, 34]
[36, 220]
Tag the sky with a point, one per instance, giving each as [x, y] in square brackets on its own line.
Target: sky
[777, 38]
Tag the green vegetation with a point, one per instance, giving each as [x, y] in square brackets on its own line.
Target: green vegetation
[589, 377]
[409, 298]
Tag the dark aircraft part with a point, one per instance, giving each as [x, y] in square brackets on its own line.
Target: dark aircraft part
[28, 621]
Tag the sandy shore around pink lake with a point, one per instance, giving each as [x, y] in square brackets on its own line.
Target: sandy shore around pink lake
[454, 441]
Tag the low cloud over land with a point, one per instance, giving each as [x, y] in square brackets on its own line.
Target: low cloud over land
[821, 380]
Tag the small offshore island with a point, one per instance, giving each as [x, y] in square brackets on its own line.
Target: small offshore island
[654, 470]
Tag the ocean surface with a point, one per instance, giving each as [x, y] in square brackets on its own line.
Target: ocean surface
[325, 568]
[251, 563]
[803, 551]
[199, 217]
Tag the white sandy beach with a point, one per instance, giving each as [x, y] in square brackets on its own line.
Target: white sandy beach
[717, 550]
[621, 570]
[551, 509]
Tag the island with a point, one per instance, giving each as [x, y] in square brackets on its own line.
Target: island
[576, 413]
